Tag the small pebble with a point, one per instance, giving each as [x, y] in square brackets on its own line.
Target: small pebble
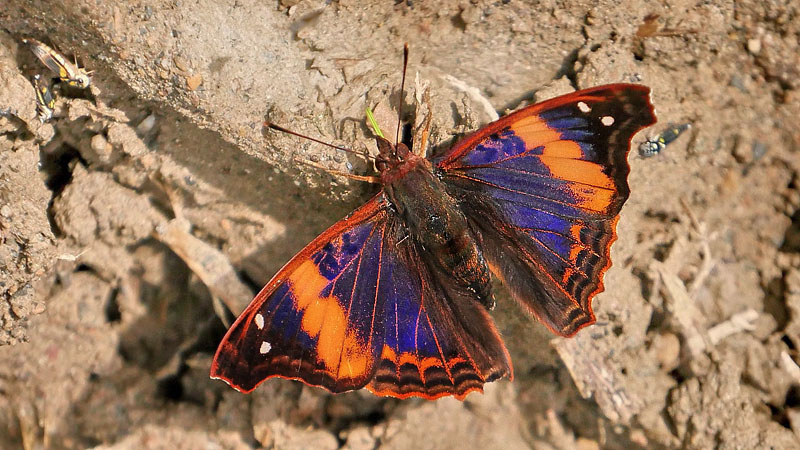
[739, 83]
[100, 145]
[586, 444]
[146, 125]
[637, 436]
[754, 46]
[194, 81]
[181, 63]
[45, 133]
[668, 349]
[759, 149]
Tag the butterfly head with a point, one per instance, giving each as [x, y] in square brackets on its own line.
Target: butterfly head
[394, 160]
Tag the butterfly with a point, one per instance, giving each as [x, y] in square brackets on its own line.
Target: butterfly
[395, 298]
[67, 72]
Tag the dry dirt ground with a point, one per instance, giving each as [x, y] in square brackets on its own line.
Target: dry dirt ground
[154, 197]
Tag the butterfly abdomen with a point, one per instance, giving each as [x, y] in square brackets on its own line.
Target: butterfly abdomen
[438, 226]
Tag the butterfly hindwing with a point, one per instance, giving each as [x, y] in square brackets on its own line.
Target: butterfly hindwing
[358, 307]
[542, 187]
[438, 340]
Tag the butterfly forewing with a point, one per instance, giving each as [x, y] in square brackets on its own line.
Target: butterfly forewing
[313, 320]
[357, 308]
[542, 187]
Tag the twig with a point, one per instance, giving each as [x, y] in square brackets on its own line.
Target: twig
[475, 94]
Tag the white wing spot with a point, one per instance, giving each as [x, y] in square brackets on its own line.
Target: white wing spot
[260, 321]
[265, 347]
[584, 107]
[607, 120]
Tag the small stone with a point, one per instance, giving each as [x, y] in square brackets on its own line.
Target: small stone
[754, 46]
[667, 348]
[586, 444]
[759, 149]
[5, 211]
[121, 135]
[45, 133]
[194, 81]
[146, 125]
[637, 436]
[740, 151]
[181, 63]
[101, 147]
[739, 83]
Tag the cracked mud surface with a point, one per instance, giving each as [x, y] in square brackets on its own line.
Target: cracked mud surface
[127, 215]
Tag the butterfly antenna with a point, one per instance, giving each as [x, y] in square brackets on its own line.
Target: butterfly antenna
[402, 90]
[365, 178]
[344, 149]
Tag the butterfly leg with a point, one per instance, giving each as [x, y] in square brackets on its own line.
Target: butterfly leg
[364, 178]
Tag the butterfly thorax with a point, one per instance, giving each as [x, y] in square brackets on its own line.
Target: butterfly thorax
[433, 219]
